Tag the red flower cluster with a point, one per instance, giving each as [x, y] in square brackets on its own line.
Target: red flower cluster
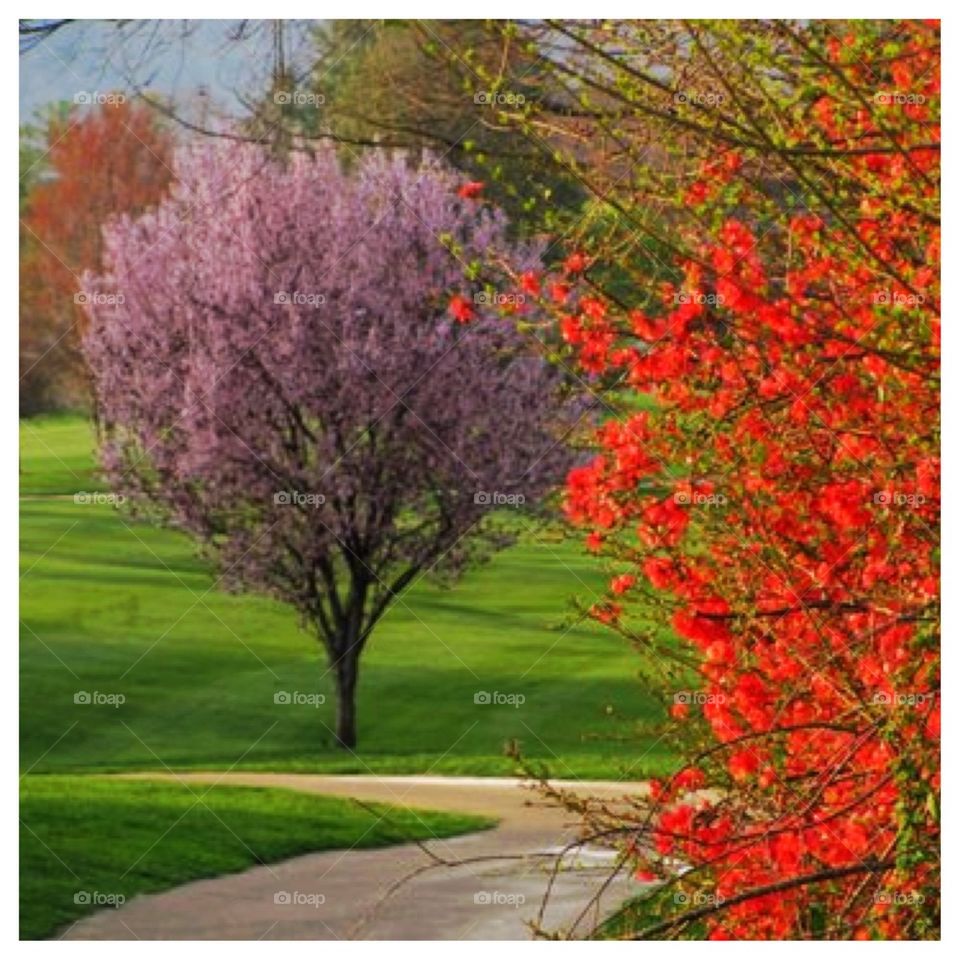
[781, 501]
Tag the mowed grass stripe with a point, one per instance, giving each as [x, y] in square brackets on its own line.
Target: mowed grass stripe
[115, 607]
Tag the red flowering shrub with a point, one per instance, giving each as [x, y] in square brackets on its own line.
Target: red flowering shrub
[776, 501]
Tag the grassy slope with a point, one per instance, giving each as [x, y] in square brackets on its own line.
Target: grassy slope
[87, 841]
[119, 607]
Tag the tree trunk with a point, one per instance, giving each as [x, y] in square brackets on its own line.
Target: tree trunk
[345, 677]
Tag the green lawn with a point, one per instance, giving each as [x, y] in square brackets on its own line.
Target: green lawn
[114, 608]
[86, 843]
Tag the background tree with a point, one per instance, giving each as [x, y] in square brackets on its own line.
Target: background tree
[388, 84]
[277, 368]
[88, 164]
[36, 340]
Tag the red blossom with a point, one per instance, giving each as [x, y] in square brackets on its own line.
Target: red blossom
[461, 309]
[471, 189]
[575, 263]
[623, 583]
[530, 283]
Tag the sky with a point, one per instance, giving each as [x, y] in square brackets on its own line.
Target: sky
[195, 62]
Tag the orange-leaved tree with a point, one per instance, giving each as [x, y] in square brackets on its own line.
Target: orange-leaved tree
[97, 162]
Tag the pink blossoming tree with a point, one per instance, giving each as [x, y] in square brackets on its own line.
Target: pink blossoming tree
[277, 372]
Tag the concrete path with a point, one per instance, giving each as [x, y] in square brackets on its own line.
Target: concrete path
[394, 893]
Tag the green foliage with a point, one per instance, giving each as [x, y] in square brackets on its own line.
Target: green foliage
[394, 84]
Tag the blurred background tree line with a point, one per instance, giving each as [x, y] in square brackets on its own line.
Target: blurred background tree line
[588, 133]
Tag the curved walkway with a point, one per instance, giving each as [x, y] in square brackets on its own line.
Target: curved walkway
[491, 886]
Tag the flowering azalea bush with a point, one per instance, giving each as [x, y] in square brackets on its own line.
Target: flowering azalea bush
[770, 490]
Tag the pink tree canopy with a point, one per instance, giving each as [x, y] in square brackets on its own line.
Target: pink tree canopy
[277, 372]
